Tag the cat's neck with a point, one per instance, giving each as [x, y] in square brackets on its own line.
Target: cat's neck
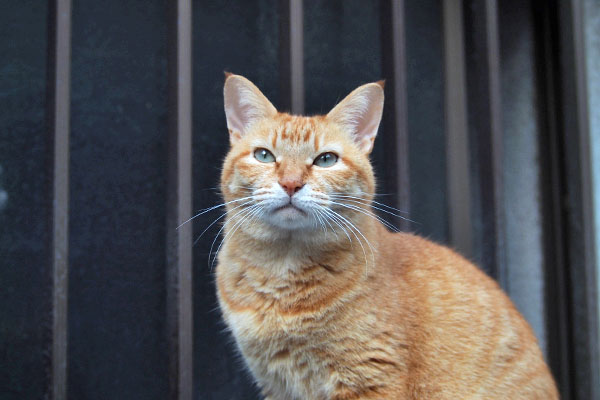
[294, 250]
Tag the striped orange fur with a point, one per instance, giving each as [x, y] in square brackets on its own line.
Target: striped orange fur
[323, 301]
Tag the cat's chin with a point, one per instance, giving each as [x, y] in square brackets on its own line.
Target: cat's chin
[289, 212]
[290, 217]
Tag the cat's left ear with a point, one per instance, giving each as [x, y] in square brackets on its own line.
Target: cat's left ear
[244, 105]
[360, 114]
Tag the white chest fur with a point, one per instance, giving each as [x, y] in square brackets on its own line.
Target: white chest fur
[284, 355]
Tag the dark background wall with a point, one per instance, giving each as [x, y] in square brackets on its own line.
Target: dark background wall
[118, 344]
[24, 298]
[117, 195]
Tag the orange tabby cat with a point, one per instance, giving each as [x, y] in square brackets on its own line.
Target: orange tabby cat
[324, 302]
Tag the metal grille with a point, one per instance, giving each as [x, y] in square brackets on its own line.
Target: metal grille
[111, 323]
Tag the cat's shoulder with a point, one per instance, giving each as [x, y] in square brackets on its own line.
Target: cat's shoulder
[415, 254]
[413, 246]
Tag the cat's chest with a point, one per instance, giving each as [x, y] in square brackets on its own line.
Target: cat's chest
[287, 358]
[259, 320]
[285, 350]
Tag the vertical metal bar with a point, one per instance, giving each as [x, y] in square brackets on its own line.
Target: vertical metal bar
[179, 203]
[297, 56]
[394, 120]
[495, 147]
[484, 111]
[59, 60]
[571, 273]
[579, 212]
[291, 50]
[552, 179]
[59, 50]
[457, 140]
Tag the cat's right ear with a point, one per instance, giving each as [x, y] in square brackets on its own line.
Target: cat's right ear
[244, 105]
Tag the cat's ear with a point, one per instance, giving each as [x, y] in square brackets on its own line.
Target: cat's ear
[244, 105]
[360, 113]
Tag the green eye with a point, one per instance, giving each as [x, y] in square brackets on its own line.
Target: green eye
[326, 160]
[264, 155]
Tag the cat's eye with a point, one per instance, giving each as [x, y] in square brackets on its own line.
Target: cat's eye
[326, 160]
[264, 155]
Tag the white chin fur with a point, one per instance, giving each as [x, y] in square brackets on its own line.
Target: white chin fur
[290, 218]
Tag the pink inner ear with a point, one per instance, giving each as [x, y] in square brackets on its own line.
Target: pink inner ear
[234, 119]
[240, 115]
[369, 125]
[360, 114]
[244, 105]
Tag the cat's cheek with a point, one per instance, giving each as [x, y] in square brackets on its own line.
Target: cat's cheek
[243, 176]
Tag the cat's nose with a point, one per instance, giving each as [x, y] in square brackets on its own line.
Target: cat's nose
[291, 186]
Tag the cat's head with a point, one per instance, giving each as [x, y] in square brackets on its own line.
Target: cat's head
[286, 172]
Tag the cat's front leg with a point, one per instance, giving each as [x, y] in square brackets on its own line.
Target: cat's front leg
[267, 395]
[346, 393]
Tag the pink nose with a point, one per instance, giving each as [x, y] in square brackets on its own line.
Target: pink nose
[291, 186]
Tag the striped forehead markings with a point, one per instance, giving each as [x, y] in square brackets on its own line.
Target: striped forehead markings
[294, 133]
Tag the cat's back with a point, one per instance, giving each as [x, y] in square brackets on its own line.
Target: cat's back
[467, 331]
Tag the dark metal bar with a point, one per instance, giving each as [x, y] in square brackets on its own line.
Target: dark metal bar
[179, 203]
[457, 140]
[291, 50]
[552, 179]
[568, 231]
[59, 65]
[571, 121]
[484, 112]
[395, 118]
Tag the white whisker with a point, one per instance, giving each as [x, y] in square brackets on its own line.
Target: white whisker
[367, 213]
[336, 217]
[219, 218]
[354, 229]
[325, 210]
[357, 231]
[324, 218]
[362, 199]
[366, 202]
[256, 209]
[245, 211]
[255, 212]
[205, 210]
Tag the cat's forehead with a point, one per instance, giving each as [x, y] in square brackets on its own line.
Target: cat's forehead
[297, 136]
[296, 129]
